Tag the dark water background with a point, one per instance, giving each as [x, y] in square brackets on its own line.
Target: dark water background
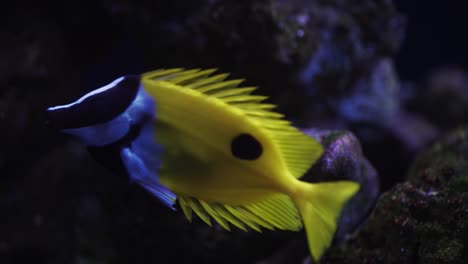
[436, 36]
[57, 205]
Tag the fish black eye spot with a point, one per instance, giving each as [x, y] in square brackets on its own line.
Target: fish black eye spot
[246, 147]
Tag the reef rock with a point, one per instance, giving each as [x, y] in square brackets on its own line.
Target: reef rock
[343, 160]
[423, 220]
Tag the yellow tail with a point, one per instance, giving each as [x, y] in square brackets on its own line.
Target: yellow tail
[320, 205]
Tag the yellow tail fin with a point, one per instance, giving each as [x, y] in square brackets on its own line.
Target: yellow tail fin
[320, 205]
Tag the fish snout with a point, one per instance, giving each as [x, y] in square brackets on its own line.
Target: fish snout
[60, 118]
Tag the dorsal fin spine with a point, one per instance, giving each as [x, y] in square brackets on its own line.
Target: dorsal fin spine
[210, 80]
[220, 85]
[233, 92]
[192, 77]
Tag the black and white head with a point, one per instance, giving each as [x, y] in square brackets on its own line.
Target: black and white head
[105, 115]
[116, 123]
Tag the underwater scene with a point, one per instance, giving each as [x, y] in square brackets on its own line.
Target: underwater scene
[234, 131]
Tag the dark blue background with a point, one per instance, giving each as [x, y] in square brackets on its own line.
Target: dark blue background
[437, 35]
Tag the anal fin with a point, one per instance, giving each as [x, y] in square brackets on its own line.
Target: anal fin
[276, 212]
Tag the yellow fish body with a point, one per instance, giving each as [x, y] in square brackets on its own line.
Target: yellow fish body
[225, 155]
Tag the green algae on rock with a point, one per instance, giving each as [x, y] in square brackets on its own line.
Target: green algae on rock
[423, 220]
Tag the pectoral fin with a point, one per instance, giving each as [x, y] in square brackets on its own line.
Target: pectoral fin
[139, 172]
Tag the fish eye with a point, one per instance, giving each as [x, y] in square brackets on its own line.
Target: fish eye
[246, 147]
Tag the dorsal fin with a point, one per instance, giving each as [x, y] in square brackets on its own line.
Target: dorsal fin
[298, 150]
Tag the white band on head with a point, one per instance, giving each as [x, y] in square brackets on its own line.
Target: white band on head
[92, 93]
